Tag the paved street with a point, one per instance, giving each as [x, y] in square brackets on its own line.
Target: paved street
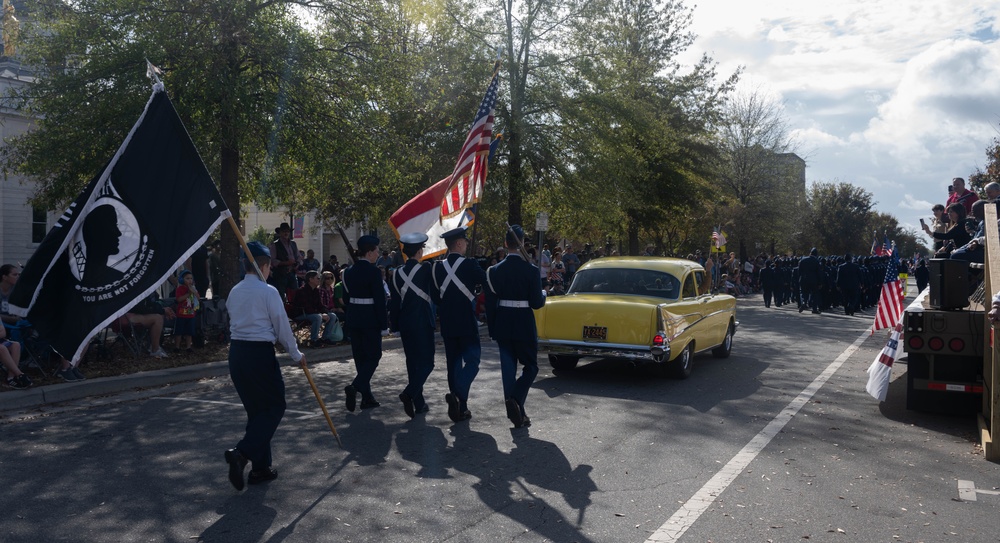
[615, 454]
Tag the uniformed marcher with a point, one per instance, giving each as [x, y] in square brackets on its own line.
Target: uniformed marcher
[411, 284]
[257, 321]
[514, 289]
[810, 278]
[455, 281]
[366, 319]
[849, 283]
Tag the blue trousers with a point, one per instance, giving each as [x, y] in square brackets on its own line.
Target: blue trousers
[315, 321]
[366, 346]
[462, 354]
[418, 346]
[257, 378]
[513, 352]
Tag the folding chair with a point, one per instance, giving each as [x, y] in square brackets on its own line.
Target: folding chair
[215, 319]
[134, 337]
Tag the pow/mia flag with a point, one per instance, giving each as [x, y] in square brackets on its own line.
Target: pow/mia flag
[134, 223]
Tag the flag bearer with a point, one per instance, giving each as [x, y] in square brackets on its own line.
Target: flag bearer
[514, 290]
[366, 319]
[455, 281]
[412, 284]
[257, 320]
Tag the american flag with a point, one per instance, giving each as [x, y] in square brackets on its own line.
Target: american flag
[880, 371]
[890, 302]
[718, 238]
[469, 175]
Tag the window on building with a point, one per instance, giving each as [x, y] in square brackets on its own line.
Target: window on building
[39, 225]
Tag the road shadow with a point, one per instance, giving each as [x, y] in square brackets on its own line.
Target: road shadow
[894, 408]
[502, 477]
[244, 518]
[712, 381]
[423, 445]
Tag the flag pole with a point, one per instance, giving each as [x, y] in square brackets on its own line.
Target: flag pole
[305, 368]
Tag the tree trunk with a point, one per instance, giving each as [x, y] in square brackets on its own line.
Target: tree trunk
[231, 249]
[633, 237]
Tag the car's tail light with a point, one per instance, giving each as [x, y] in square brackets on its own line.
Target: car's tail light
[935, 343]
[658, 339]
[916, 342]
[956, 344]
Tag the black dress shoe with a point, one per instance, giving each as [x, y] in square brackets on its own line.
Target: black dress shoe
[514, 412]
[465, 415]
[237, 462]
[407, 404]
[258, 476]
[352, 397]
[368, 404]
[525, 422]
[454, 413]
[422, 409]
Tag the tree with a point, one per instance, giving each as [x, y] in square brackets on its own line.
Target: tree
[280, 113]
[758, 171]
[839, 217]
[980, 178]
[639, 127]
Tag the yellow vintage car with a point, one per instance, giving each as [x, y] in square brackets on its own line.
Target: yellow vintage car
[644, 309]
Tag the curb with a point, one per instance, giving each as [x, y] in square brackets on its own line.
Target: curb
[102, 386]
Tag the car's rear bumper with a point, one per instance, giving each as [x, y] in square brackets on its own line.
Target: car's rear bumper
[636, 353]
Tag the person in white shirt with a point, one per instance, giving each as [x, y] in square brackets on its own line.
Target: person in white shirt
[257, 321]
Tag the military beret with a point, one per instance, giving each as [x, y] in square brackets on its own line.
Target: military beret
[515, 233]
[368, 239]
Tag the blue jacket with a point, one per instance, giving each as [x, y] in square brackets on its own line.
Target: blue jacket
[414, 312]
[457, 310]
[364, 281]
[513, 280]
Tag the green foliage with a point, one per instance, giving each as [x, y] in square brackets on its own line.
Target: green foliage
[839, 218]
[261, 234]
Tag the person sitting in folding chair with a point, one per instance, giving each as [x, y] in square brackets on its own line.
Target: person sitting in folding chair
[10, 355]
[151, 315]
[306, 306]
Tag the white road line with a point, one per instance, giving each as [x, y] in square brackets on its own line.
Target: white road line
[305, 414]
[685, 517]
[966, 491]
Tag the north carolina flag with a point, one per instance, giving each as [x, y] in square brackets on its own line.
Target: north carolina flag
[422, 213]
[881, 369]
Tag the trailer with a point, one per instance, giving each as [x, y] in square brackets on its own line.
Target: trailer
[944, 357]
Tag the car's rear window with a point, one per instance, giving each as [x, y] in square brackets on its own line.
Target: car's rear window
[626, 281]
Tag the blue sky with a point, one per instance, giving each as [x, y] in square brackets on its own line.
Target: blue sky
[896, 97]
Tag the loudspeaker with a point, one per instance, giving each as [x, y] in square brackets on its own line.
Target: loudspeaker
[949, 283]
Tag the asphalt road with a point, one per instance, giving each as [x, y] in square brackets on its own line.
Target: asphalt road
[779, 442]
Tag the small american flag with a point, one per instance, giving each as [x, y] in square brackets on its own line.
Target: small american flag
[890, 301]
[880, 371]
[469, 175]
[718, 238]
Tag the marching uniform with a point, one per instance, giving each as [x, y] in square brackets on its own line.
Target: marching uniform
[366, 318]
[514, 289]
[257, 321]
[455, 280]
[412, 285]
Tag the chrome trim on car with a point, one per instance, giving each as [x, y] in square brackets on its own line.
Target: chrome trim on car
[653, 353]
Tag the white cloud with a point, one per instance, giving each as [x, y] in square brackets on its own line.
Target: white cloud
[895, 97]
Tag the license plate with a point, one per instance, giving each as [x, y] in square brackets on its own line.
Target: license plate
[595, 332]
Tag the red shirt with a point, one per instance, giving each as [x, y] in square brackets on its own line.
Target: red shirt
[186, 303]
[967, 198]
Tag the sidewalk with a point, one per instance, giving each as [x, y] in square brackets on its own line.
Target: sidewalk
[100, 386]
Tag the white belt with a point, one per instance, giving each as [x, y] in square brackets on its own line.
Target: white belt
[363, 301]
[514, 303]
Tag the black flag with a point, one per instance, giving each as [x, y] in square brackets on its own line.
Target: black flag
[144, 214]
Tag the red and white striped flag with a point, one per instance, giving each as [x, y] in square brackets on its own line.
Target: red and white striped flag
[890, 301]
[881, 369]
[469, 176]
[718, 238]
